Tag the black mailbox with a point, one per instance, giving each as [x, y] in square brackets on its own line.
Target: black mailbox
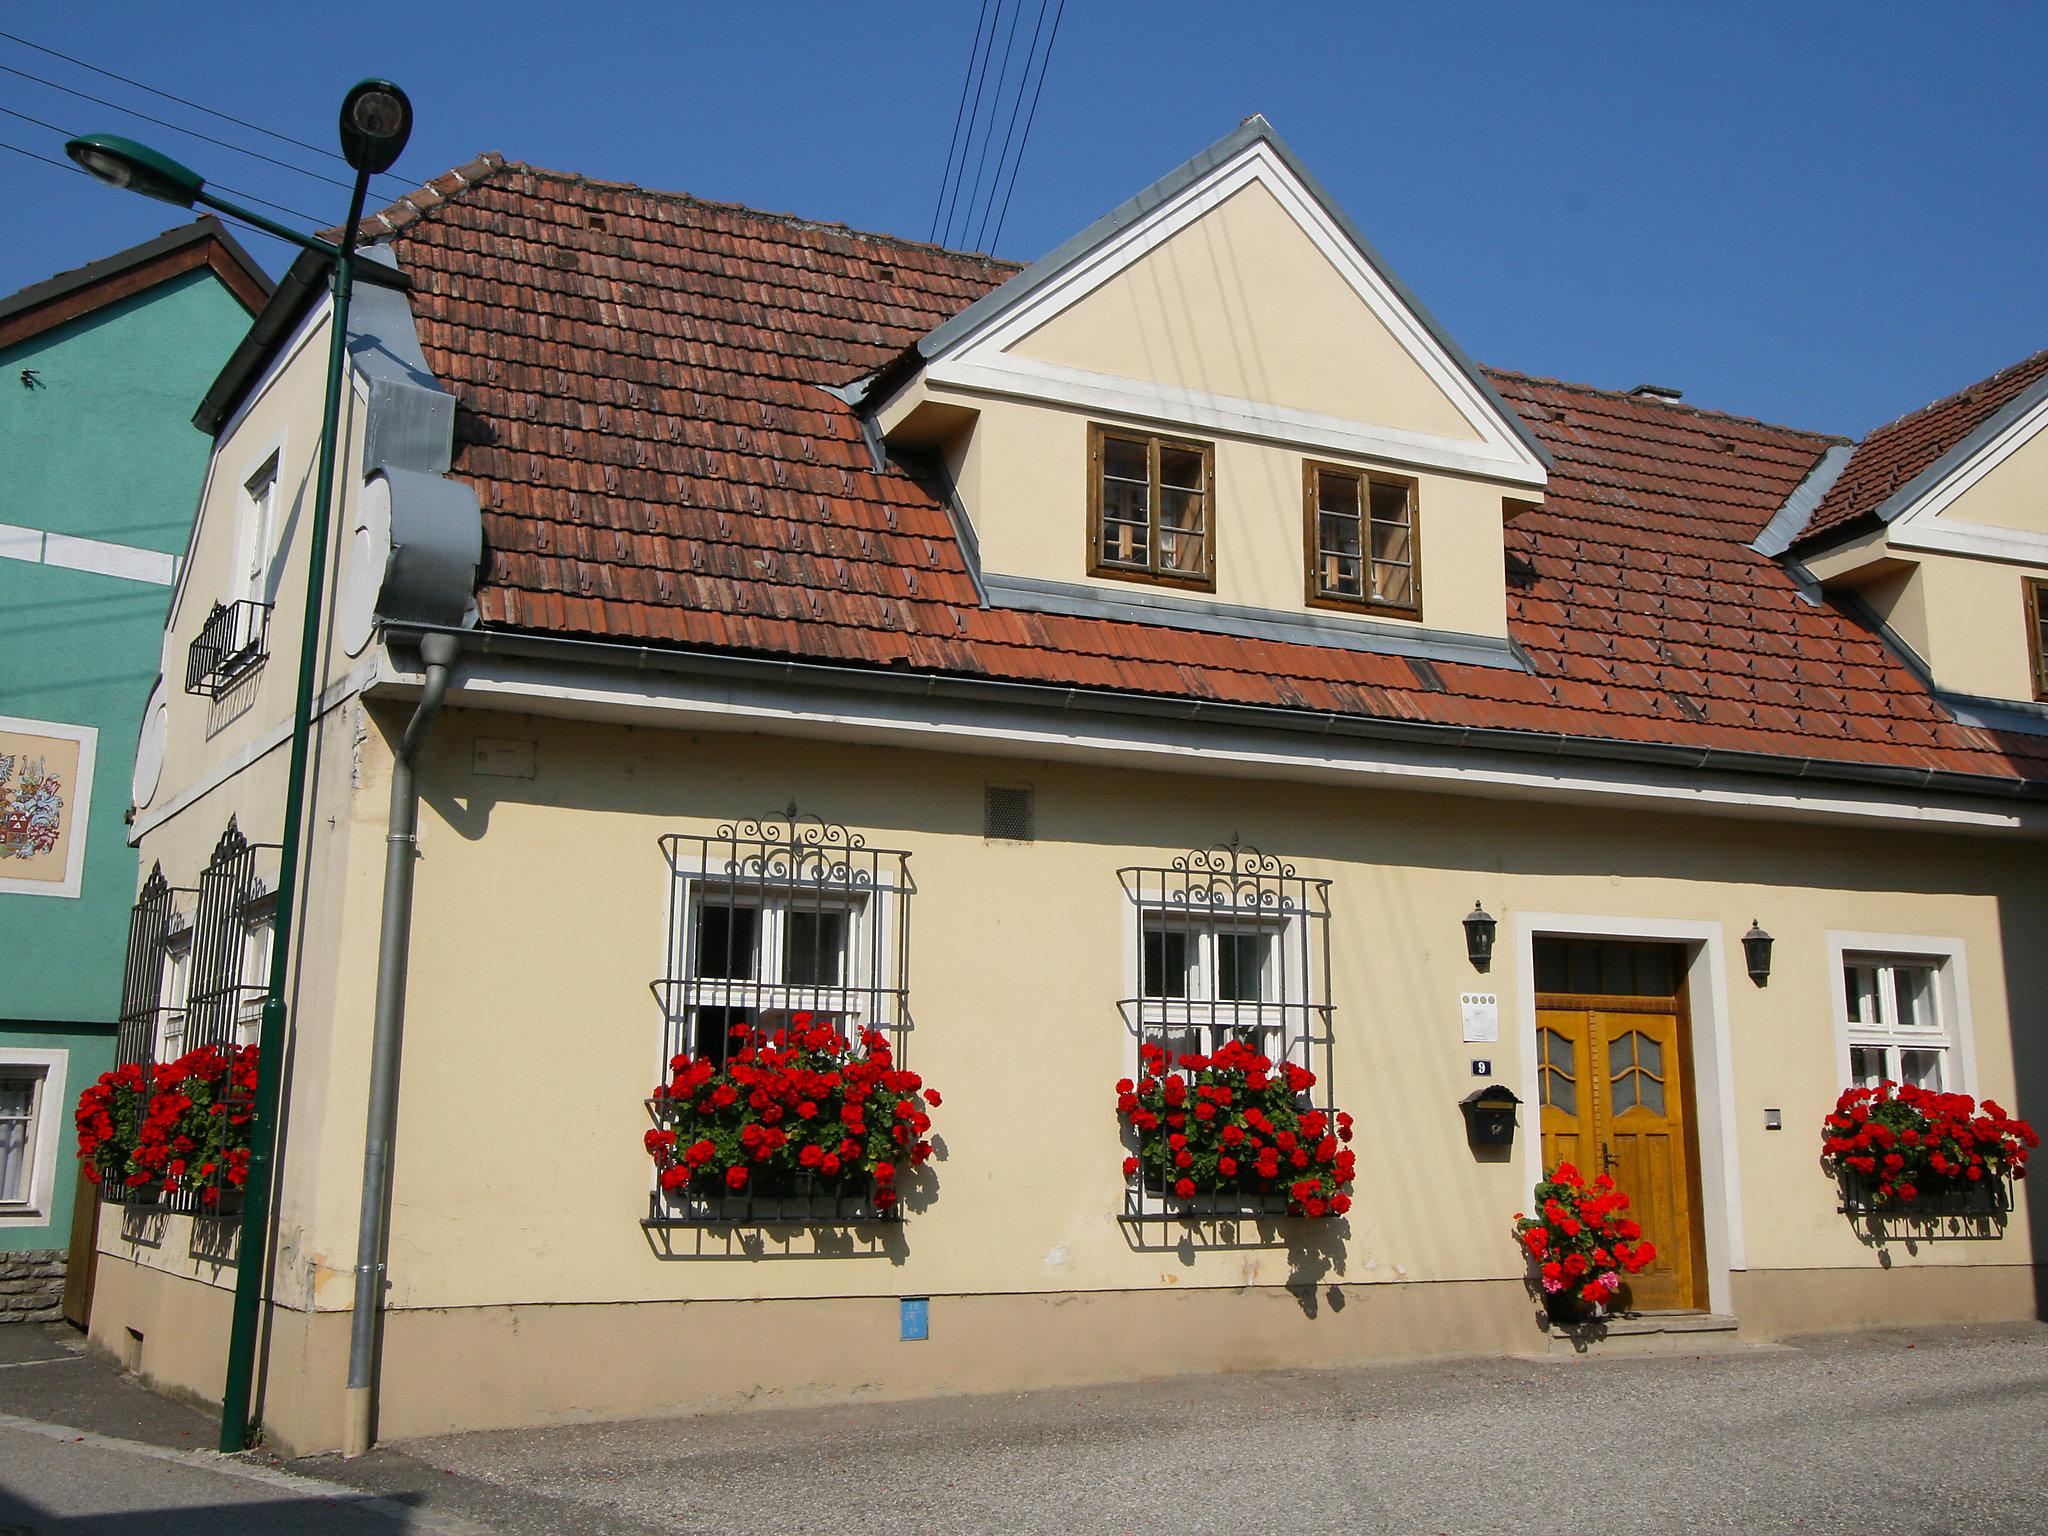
[1490, 1116]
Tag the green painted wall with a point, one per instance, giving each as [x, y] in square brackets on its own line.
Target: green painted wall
[103, 448]
[106, 449]
[89, 1053]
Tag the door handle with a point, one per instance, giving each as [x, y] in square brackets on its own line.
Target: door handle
[1608, 1161]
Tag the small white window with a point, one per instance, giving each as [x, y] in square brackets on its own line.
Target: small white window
[174, 991]
[772, 918]
[1897, 1023]
[259, 933]
[1209, 977]
[256, 534]
[756, 956]
[31, 1109]
[21, 1092]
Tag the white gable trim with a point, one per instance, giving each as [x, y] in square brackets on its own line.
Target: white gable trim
[1922, 525]
[978, 360]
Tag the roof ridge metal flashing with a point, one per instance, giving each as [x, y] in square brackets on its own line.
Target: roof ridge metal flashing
[1791, 519]
[1030, 594]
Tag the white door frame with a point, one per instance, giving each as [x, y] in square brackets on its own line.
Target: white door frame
[1713, 1074]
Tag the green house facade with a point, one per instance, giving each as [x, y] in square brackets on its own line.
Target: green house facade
[100, 469]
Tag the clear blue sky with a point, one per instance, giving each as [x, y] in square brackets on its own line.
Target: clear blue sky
[1824, 214]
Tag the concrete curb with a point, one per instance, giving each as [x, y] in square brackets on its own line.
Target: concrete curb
[411, 1518]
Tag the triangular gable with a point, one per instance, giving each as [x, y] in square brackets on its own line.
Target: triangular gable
[1389, 385]
[1988, 495]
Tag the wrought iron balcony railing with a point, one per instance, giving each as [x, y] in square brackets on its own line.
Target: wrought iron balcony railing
[235, 638]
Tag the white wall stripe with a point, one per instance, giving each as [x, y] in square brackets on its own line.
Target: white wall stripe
[100, 558]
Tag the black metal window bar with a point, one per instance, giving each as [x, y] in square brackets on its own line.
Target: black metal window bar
[770, 918]
[159, 923]
[1991, 1197]
[235, 637]
[1227, 943]
[230, 947]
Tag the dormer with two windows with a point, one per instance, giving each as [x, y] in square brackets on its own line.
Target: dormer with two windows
[1217, 408]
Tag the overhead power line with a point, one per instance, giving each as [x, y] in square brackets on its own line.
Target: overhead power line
[973, 120]
[254, 154]
[196, 106]
[62, 165]
[1009, 129]
[249, 197]
[959, 112]
[995, 106]
[1030, 118]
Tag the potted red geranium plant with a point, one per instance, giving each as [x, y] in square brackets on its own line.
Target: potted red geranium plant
[178, 1127]
[1581, 1242]
[1234, 1126]
[1897, 1147]
[801, 1115]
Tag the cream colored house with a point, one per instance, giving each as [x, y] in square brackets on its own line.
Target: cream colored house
[1175, 637]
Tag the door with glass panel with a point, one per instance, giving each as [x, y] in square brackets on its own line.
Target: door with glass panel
[1614, 1097]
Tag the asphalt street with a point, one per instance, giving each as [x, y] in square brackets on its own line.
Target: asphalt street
[1924, 1431]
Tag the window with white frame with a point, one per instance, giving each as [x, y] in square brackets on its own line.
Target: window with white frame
[1228, 943]
[21, 1094]
[256, 534]
[32, 1106]
[774, 918]
[1211, 975]
[174, 992]
[259, 933]
[1898, 1025]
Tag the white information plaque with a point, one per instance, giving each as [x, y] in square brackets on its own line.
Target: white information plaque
[1481, 1011]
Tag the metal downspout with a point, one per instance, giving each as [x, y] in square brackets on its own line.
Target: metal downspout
[401, 847]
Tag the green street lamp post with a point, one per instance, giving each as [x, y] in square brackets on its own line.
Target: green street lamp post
[376, 120]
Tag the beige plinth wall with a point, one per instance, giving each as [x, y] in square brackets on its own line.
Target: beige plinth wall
[523, 1288]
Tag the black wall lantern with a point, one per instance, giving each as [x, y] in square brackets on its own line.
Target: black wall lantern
[1490, 1116]
[1756, 952]
[1479, 931]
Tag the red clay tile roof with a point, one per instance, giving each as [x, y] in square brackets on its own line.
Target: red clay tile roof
[644, 380]
[1892, 455]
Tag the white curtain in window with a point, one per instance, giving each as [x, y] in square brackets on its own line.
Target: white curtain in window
[17, 1110]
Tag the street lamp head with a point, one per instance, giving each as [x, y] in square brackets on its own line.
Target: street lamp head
[136, 167]
[376, 120]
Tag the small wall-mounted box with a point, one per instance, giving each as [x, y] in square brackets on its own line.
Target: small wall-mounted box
[1490, 1115]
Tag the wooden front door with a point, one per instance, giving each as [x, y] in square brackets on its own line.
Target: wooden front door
[1615, 1099]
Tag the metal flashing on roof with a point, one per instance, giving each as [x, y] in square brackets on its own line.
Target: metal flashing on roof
[1145, 607]
[780, 675]
[1792, 518]
[1255, 130]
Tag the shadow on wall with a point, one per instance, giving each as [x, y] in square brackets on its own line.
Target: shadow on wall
[2026, 983]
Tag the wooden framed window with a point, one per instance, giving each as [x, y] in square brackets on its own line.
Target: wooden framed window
[1150, 508]
[2037, 633]
[1360, 534]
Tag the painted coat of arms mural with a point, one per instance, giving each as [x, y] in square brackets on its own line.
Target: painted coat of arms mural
[45, 784]
[31, 807]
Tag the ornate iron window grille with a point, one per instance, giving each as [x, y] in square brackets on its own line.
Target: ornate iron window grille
[162, 912]
[219, 1000]
[233, 891]
[769, 918]
[235, 637]
[1228, 943]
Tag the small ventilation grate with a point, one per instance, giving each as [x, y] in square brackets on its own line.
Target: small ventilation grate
[1007, 814]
